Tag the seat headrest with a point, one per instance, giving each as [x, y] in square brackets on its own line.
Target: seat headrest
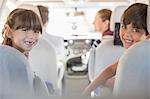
[31, 7]
[116, 15]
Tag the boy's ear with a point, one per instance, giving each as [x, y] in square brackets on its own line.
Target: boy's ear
[7, 31]
[148, 37]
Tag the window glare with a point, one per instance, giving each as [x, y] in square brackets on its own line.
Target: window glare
[61, 24]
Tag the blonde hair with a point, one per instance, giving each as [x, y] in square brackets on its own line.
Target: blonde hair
[105, 14]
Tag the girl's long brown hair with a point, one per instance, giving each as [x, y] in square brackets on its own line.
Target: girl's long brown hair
[21, 18]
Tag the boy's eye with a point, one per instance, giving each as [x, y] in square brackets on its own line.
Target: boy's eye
[24, 29]
[37, 32]
[123, 27]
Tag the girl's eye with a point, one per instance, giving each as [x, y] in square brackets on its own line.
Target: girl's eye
[24, 29]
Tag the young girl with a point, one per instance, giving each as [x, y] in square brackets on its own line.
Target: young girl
[22, 30]
[133, 29]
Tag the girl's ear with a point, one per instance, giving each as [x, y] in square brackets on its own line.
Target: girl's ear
[7, 31]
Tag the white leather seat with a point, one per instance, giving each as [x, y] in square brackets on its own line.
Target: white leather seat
[133, 72]
[40, 88]
[58, 45]
[106, 53]
[16, 79]
[43, 62]
[49, 48]
[57, 42]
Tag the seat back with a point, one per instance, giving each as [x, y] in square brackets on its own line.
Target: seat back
[40, 88]
[106, 54]
[16, 78]
[57, 42]
[133, 72]
[43, 61]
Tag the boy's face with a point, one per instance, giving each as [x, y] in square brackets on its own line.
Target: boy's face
[130, 35]
[24, 40]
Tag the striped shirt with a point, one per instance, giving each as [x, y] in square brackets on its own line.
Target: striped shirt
[97, 42]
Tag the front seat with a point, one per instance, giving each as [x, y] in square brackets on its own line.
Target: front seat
[44, 63]
[107, 52]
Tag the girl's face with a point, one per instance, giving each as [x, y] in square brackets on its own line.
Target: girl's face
[130, 35]
[24, 40]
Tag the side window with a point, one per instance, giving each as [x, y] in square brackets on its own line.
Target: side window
[4, 11]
